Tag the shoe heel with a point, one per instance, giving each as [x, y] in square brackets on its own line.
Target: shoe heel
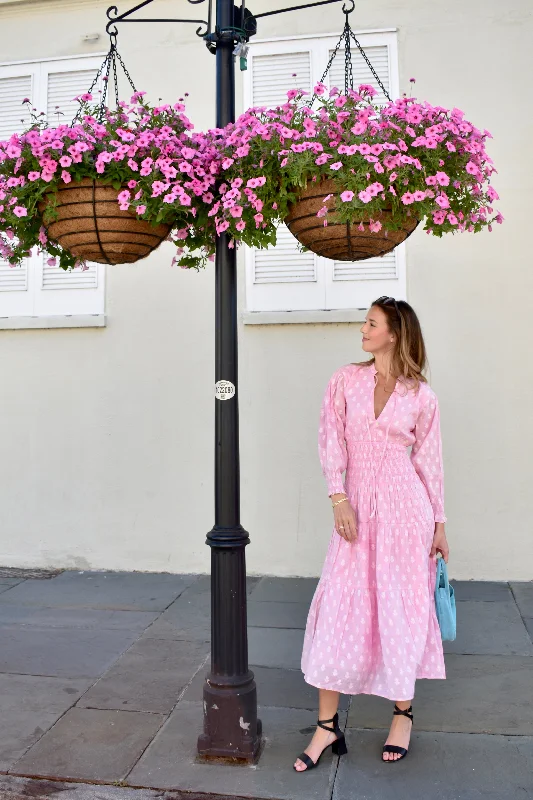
[339, 747]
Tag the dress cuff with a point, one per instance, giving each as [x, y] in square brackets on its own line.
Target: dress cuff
[440, 517]
[335, 484]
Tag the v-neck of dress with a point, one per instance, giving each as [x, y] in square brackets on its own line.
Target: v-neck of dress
[374, 418]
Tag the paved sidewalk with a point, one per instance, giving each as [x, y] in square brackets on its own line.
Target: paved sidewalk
[101, 677]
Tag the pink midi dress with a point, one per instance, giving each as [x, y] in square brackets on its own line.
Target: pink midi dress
[372, 626]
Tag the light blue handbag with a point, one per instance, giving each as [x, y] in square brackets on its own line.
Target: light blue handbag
[445, 603]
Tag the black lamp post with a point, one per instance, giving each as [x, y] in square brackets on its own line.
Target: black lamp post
[231, 727]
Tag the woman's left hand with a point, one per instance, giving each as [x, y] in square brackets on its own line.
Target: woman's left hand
[439, 543]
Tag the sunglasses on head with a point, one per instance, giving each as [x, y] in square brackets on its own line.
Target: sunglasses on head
[386, 299]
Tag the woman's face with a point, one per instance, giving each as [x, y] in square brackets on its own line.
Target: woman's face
[376, 334]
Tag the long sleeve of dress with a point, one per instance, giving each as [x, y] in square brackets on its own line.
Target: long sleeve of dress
[426, 453]
[331, 442]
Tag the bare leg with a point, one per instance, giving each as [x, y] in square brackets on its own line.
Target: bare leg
[328, 703]
[400, 731]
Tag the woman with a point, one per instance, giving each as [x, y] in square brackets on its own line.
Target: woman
[372, 626]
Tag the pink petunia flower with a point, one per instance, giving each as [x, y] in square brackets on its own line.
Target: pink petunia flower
[20, 211]
[347, 196]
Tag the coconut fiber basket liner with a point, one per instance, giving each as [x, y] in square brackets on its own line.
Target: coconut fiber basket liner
[341, 241]
[91, 226]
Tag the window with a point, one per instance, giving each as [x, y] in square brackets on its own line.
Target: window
[36, 289]
[283, 278]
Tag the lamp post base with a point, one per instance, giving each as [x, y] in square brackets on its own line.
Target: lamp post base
[232, 730]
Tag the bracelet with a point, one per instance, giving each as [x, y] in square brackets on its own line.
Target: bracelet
[336, 503]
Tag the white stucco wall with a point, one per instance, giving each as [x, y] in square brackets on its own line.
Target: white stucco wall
[107, 434]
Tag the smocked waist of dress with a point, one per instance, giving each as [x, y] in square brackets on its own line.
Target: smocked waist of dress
[365, 444]
[369, 460]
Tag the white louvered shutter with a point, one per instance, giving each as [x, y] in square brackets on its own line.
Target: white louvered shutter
[14, 118]
[361, 281]
[57, 291]
[36, 288]
[15, 295]
[14, 115]
[281, 277]
[273, 76]
[62, 88]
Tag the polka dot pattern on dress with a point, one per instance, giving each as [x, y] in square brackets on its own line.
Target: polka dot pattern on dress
[372, 626]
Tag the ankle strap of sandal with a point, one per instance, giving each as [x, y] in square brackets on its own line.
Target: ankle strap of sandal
[334, 720]
[405, 711]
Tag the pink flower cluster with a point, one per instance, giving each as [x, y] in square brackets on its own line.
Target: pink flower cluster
[165, 172]
[410, 157]
[405, 155]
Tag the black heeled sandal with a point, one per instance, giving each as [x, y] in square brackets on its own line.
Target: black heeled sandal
[338, 746]
[394, 748]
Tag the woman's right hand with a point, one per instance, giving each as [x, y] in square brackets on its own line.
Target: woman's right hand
[344, 518]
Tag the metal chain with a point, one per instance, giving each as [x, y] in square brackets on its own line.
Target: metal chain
[346, 35]
[372, 70]
[108, 65]
[348, 70]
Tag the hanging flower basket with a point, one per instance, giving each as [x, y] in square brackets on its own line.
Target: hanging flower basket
[91, 226]
[352, 179]
[355, 240]
[108, 187]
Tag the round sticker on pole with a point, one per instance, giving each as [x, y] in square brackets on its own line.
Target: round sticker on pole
[224, 390]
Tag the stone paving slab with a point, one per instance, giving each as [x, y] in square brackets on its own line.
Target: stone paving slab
[285, 590]
[10, 581]
[490, 591]
[65, 652]
[523, 592]
[285, 688]
[149, 677]
[189, 617]
[488, 628]
[481, 694]
[263, 614]
[528, 622]
[127, 591]
[275, 647]
[4, 588]
[169, 762]
[13, 787]
[440, 766]
[89, 744]
[89, 618]
[29, 706]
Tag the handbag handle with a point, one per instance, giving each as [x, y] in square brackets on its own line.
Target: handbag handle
[442, 574]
